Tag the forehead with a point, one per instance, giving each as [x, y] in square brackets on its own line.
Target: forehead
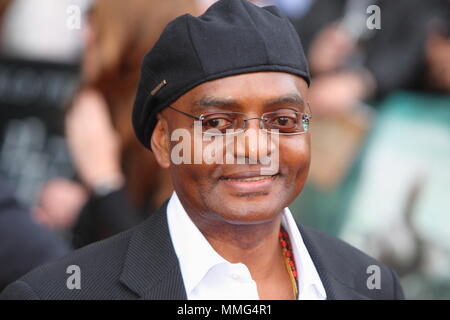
[251, 88]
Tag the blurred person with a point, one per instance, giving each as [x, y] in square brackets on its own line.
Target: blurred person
[24, 244]
[354, 69]
[351, 63]
[123, 180]
[226, 231]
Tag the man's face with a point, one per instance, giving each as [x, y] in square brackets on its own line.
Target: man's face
[236, 193]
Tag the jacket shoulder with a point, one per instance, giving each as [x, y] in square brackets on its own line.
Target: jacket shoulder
[336, 246]
[340, 262]
[92, 272]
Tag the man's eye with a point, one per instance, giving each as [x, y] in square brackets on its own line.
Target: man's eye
[285, 122]
[217, 123]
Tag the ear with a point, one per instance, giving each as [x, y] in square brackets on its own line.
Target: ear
[160, 143]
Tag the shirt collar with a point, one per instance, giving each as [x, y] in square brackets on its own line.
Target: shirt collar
[309, 283]
[188, 242]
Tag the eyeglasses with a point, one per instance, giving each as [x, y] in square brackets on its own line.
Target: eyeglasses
[284, 122]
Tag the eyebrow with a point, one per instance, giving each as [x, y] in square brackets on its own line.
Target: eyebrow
[293, 98]
[209, 101]
[206, 102]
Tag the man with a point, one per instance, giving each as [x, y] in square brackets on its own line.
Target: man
[226, 232]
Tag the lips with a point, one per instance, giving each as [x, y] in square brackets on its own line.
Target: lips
[247, 176]
[249, 181]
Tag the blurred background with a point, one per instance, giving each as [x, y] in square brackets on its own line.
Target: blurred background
[72, 172]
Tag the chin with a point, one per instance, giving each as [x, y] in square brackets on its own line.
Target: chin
[249, 208]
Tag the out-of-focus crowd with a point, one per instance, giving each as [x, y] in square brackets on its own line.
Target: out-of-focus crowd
[72, 171]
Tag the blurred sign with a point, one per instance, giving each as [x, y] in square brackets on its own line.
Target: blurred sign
[33, 96]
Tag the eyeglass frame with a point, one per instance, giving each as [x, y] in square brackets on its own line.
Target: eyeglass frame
[261, 119]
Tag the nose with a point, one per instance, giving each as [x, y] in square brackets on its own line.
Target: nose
[253, 146]
[255, 125]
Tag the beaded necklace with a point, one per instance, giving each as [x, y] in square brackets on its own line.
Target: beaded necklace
[286, 247]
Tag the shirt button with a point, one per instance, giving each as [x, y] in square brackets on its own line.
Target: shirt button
[235, 276]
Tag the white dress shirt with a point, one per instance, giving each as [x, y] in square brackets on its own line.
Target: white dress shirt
[208, 276]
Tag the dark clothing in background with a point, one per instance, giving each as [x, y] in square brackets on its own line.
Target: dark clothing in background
[105, 216]
[141, 263]
[395, 53]
[24, 244]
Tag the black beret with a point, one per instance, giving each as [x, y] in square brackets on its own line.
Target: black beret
[232, 37]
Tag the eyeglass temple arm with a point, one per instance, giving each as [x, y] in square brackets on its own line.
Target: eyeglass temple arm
[186, 114]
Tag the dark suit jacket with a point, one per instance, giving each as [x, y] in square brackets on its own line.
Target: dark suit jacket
[141, 264]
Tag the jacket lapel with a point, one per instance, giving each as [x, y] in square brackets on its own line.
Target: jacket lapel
[151, 266]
